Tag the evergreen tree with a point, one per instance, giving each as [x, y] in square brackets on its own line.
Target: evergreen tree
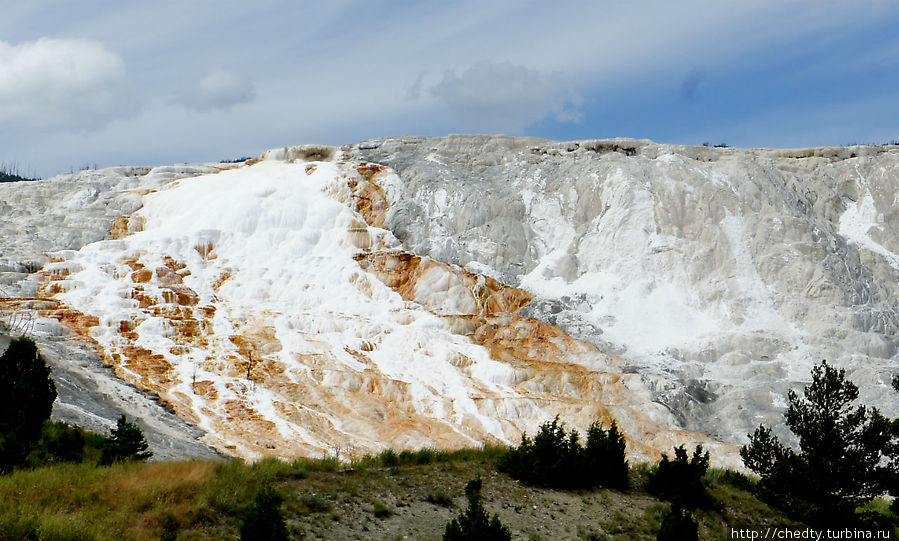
[605, 458]
[678, 525]
[837, 467]
[263, 521]
[59, 442]
[26, 400]
[680, 480]
[126, 442]
[474, 524]
[556, 458]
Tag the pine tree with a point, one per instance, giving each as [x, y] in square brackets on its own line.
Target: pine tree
[605, 458]
[474, 524]
[26, 400]
[680, 480]
[678, 525]
[837, 467]
[126, 442]
[263, 521]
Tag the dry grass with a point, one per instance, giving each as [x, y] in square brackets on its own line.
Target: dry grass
[387, 496]
[126, 501]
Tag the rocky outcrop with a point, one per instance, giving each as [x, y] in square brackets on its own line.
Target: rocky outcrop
[720, 275]
[444, 291]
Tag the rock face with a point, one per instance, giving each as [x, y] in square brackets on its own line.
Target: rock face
[720, 275]
[68, 212]
[444, 291]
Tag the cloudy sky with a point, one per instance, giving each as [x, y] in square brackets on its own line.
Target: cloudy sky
[108, 82]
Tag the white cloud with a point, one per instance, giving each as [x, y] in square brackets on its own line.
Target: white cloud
[218, 89]
[62, 83]
[502, 97]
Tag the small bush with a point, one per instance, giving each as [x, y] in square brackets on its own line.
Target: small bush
[678, 525]
[126, 443]
[389, 458]
[169, 530]
[263, 521]
[439, 497]
[680, 480]
[474, 524]
[315, 503]
[380, 510]
[59, 443]
[554, 458]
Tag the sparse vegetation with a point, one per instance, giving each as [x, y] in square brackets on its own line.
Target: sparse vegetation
[439, 497]
[380, 509]
[325, 499]
[13, 172]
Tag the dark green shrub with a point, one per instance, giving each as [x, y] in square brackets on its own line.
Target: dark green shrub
[26, 400]
[126, 442]
[605, 458]
[169, 530]
[263, 521]
[59, 443]
[554, 458]
[680, 480]
[678, 525]
[380, 510]
[474, 524]
[389, 458]
[439, 497]
[315, 503]
[838, 466]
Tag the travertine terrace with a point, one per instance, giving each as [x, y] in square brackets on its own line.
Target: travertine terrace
[443, 292]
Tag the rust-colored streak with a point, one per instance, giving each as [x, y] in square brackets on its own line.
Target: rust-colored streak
[223, 277]
[126, 225]
[402, 272]
[144, 301]
[206, 389]
[182, 295]
[141, 276]
[256, 340]
[154, 369]
[80, 324]
[166, 276]
[371, 202]
[206, 250]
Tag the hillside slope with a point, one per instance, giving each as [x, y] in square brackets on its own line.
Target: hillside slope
[317, 302]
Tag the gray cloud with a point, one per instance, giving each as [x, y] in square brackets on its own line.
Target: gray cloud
[218, 89]
[689, 87]
[502, 97]
[62, 83]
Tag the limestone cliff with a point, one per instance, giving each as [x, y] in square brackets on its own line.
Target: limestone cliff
[443, 291]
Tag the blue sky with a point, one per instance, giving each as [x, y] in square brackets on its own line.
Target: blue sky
[111, 82]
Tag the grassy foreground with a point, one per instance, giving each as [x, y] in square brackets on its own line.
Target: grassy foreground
[409, 495]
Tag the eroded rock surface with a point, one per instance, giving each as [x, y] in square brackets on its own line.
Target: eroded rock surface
[720, 275]
[445, 291]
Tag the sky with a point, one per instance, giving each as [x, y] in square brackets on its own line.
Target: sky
[107, 82]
